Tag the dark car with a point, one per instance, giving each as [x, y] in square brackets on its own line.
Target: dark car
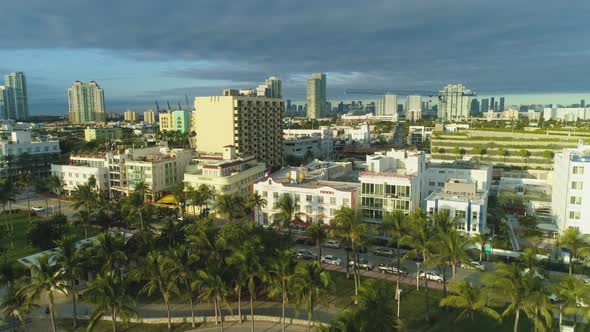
[383, 251]
[362, 264]
[304, 240]
[306, 254]
[392, 268]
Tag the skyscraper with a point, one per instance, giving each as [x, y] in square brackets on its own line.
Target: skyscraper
[501, 108]
[386, 105]
[316, 96]
[272, 88]
[17, 107]
[474, 109]
[493, 103]
[3, 103]
[485, 106]
[149, 116]
[582, 103]
[454, 102]
[86, 102]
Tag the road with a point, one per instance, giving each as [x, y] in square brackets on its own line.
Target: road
[37, 200]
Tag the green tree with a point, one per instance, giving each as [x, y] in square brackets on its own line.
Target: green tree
[548, 154]
[280, 273]
[395, 225]
[452, 249]
[576, 242]
[376, 309]
[134, 204]
[72, 263]
[502, 153]
[524, 154]
[44, 232]
[160, 276]
[310, 286]
[46, 279]
[480, 239]
[318, 233]
[213, 287]
[25, 180]
[229, 206]
[255, 202]
[574, 295]
[286, 209]
[15, 305]
[185, 272]
[470, 299]
[108, 252]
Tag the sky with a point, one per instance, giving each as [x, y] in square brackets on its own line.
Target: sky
[140, 51]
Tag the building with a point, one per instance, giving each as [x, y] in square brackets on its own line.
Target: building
[253, 124]
[318, 189]
[149, 116]
[474, 109]
[5, 102]
[19, 151]
[386, 105]
[414, 115]
[160, 168]
[325, 134]
[485, 105]
[16, 91]
[394, 180]
[225, 173]
[454, 102]
[180, 121]
[493, 104]
[359, 135]
[466, 205]
[439, 172]
[302, 150]
[502, 104]
[86, 103]
[419, 135]
[566, 113]
[130, 116]
[571, 189]
[271, 88]
[413, 103]
[316, 96]
[92, 134]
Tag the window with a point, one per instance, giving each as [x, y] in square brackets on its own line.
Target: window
[321, 199]
[332, 200]
[461, 226]
[578, 170]
[576, 200]
[579, 185]
[308, 209]
[474, 227]
[265, 194]
[308, 198]
[431, 210]
[460, 214]
[345, 201]
[432, 184]
[332, 212]
[275, 195]
[474, 215]
[575, 215]
[441, 184]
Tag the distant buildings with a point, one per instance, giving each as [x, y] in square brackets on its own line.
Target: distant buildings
[19, 151]
[86, 103]
[316, 96]
[179, 121]
[485, 105]
[386, 105]
[251, 123]
[419, 135]
[149, 116]
[566, 113]
[413, 103]
[322, 141]
[271, 88]
[571, 189]
[92, 134]
[454, 102]
[130, 116]
[14, 102]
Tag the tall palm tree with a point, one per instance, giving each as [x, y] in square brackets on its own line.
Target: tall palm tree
[452, 248]
[229, 206]
[286, 209]
[8, 274]
[179, 194]
[84, 218]
[318, 233]
[530, 263]
[46, 278]
[470, 299]
[443, 221]
[576, 242]
[206, 194]
[135, 203]
[395, 225]
[71, 261]
[480, 238]
[109, 251]
[57, 186]
[41, 187]
[109, 292]
[255, 202]
[280, 272]
[184, 269]
[160, 276]
[14, 305]
[574, 295]
[213, 287]
[6, 198]
[349, 225]
[310, 286]
[24, 181]
[376, 309]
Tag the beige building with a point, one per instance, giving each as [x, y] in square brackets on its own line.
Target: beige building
[253, 124]
[130, 116]
[91, 134]
[166, 121]
[226, 173]
[149, 116]
[86, 102]
[316, 96]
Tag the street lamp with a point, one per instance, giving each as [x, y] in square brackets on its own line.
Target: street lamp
[418, 275]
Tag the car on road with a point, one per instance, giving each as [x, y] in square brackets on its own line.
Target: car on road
[37, 208]
[431, 275]
[306, 254]
[383, 251]
[334, 244]
[362, 264]
[332, 260]
[586, 279]
[473, 265]
[303, 240]
[392, 269]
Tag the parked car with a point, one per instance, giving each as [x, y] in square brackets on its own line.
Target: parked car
[335, 244]
[303, 240]
[331, 259]
[361, 249]
[473, 265]
[306, 254]
[383, 251]
[392, 269]
[586, 280]
[362, 264]
[431, 275]
[37, 208]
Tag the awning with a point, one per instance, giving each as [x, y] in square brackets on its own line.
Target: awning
[168, 199]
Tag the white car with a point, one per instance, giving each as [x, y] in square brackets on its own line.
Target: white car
[586, 280]
[331, 259]
[37, 208]
[553, 298]
[473, 265]
[431, 275]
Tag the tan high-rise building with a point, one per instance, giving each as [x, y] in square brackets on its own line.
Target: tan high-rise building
[86, 102]
[253, 124]
[149, 116]
[316, 96]
[130, 116]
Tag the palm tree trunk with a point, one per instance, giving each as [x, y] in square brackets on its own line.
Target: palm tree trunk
[28, 205]
[215, 306]
[220, 313]
[516, 317]
[59, 203]
[481, 253]
[399, 275]
[319, 251]
[284, 301]
[168, 312]
[74, 302]
[51, 314]
[114, 322]
[252, 311]
[46, 207]
[190, 298]
[454, 270]
[347, 265]
[426, 295]
[240, 302]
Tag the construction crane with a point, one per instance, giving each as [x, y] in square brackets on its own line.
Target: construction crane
[381, 92]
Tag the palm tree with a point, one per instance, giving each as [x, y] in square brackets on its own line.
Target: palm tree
[41, 186]
[84, 218]
[280, 272]
[480, 239]
[286, 209]
[229, 206]
[376, 310]
[184, 269]
[179, 194]
[349, 225]
[14, 305]
[6, 198]
[46, 278]
[573, 239]
[452, 248]
[70, 260]
[574, 295]
[109, 292]
[213, 287]
[502, 153]
[24, 181]
[8, 274]
[135, 203]
[255, 202]
[310, 285]
[161, 276]
[524, 154]
[530, 263]
[394, 225]
[318, 234]
[443, 221]
[470, 299]
[109, 251]
[57, 186]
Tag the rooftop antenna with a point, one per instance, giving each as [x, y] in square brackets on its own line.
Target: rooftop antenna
[187, 105]
[169, 108]
[157, 107]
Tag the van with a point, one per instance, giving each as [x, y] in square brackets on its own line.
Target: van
[332, 244]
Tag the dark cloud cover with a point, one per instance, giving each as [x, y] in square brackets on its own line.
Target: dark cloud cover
[500, 46]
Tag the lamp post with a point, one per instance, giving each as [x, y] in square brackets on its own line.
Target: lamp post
[418, 276]
[398, 295]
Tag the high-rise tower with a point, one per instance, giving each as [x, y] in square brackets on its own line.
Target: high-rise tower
[316, 96]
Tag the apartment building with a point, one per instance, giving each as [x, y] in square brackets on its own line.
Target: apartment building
[419, 135]
[149, 116]
[324, 133]
[130, 116]
[179, 121]
[571, 189]
[439, 172]
[92, 134]
[18, 151]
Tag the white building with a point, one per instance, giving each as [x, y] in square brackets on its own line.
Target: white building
[304, 149]
[360, 135]
[15, 145]
[413, 104]
[324, 134]
[319, 189]
[466, 205]
[571, 189]
[454, 102]
[566, 113]
[439, 172]
[418, 135]
[386, 105]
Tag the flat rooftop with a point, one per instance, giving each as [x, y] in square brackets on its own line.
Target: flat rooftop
[456, 164]
[478, 198]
